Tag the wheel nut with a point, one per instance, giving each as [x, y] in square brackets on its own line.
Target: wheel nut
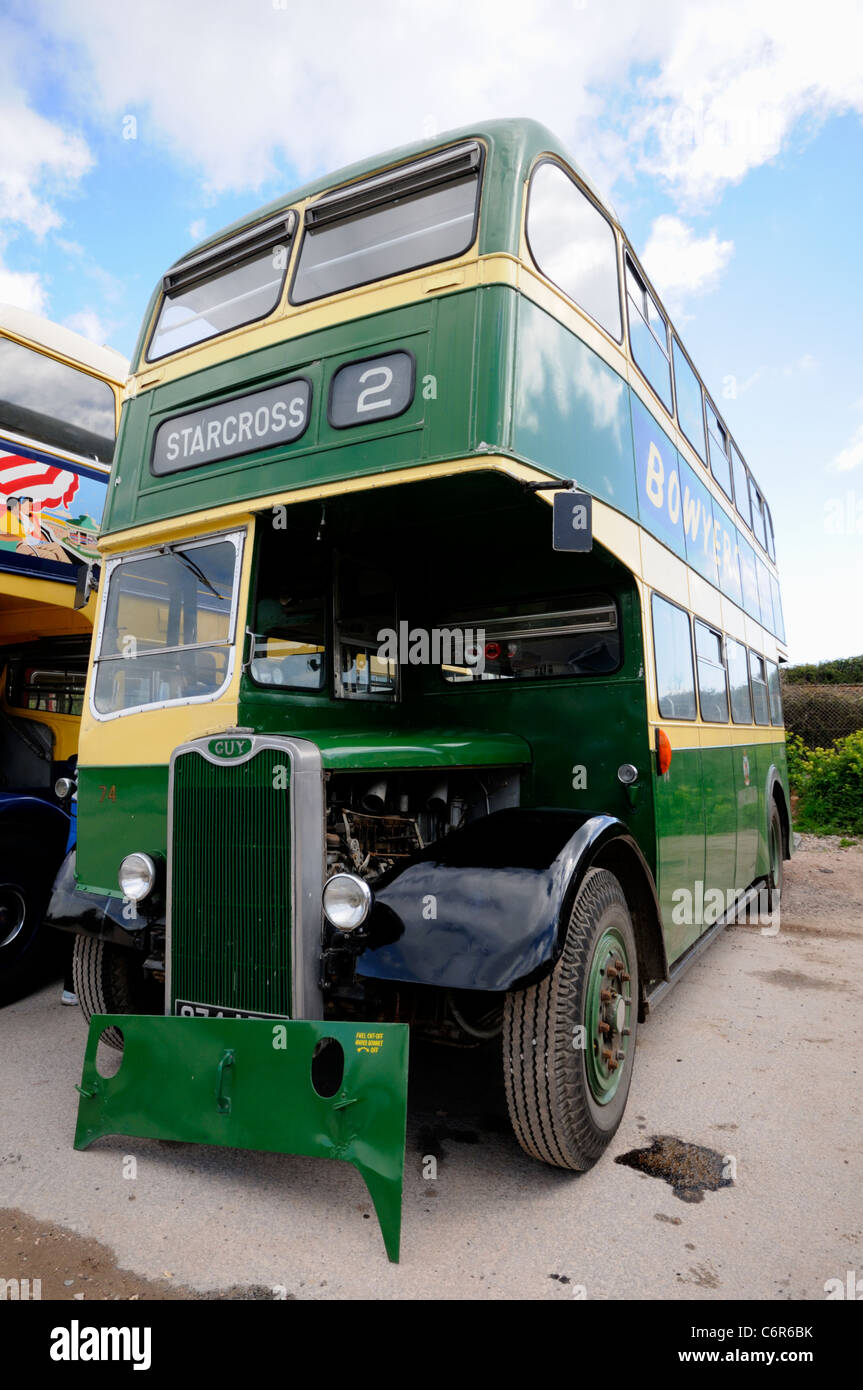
[604, 1027]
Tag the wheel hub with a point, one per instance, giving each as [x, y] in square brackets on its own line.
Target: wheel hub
[13, 913]
[608, 1015]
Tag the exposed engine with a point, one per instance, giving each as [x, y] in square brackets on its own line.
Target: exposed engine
[375, 820]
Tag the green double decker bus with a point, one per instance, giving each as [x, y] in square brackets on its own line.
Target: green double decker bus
[436, 673]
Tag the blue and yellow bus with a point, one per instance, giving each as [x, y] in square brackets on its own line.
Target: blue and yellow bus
[420, 499]
[59, 404]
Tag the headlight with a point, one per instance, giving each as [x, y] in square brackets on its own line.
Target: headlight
[346, 901]
[62, 787]
[137, 876]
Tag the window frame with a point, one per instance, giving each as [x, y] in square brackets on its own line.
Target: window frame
[753, 656]
[718, 665]
[729, 642]
[729, 491]
[524, 625]
[675, 342]
[555, 163]
[391, 175]
[684, 718]
[287, 221]
[238, 538]
[746, 517]
[774, 666]
[630, 262]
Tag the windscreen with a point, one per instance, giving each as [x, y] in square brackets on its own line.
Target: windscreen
[168, 627]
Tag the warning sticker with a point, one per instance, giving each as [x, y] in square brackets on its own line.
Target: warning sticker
[369, 1042]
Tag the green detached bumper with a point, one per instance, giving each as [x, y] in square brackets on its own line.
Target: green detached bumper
[247, 1083]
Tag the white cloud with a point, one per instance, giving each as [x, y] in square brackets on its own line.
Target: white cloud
[198, 229]
[41, 162]
[682, 264]
[90, 325]
[714, 89]
[23, 288]
[735, 81]
[851, 456]
[242, 91]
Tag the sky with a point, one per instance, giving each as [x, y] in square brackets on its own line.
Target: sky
[729, 137]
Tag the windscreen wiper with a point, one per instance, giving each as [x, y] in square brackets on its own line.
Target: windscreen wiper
[196, 569]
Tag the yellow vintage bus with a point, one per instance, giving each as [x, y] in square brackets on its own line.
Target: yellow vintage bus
[59, 405]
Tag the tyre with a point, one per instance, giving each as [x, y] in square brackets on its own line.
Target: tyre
[107, 980]
[569, 1041]
[776, 852]
[27, 950]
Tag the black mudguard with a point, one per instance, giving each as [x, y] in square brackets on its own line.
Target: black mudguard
[486, 908]
[75, 909]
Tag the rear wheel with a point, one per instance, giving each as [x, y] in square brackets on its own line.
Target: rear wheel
[776, 849]
[569, 1041]
[107, 980]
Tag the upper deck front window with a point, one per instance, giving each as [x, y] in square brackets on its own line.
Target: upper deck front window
[225, 286]
[409, 217]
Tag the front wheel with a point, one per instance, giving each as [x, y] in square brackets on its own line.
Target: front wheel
[107, 980]
[569, 1041]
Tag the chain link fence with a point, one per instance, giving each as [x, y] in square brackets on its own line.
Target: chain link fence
[822, 713]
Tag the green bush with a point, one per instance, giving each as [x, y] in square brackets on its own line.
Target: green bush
[843, 670]
[829, 783]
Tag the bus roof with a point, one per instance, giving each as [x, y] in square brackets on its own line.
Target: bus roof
[517, 140]
[106, 361]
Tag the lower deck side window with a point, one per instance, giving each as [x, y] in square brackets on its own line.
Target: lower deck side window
[672, 646]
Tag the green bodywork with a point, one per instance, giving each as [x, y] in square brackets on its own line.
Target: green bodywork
[217, 1081]
[495, 375]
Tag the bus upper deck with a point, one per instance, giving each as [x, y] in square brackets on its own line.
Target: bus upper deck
[417, 273]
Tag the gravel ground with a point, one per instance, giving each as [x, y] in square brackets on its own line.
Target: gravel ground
[755, 1057]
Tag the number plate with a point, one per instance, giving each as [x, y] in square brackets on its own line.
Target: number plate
[184, 1009]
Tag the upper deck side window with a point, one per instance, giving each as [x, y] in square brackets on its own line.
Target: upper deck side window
[720, 459]
[403, 219]
[235, 282]
[574, 245]
[648, 335]
[690, 410]
[54, 403]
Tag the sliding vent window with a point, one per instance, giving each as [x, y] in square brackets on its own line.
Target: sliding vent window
[712, 686]
[672, 645]
[758, 676]
[648, 336]
[582, 639]
[738, 679]
[574, 245]
[235, 282]
[690, 415]
[717, 439]
[409, 217]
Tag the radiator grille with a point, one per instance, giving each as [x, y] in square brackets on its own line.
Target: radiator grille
[230, 885]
